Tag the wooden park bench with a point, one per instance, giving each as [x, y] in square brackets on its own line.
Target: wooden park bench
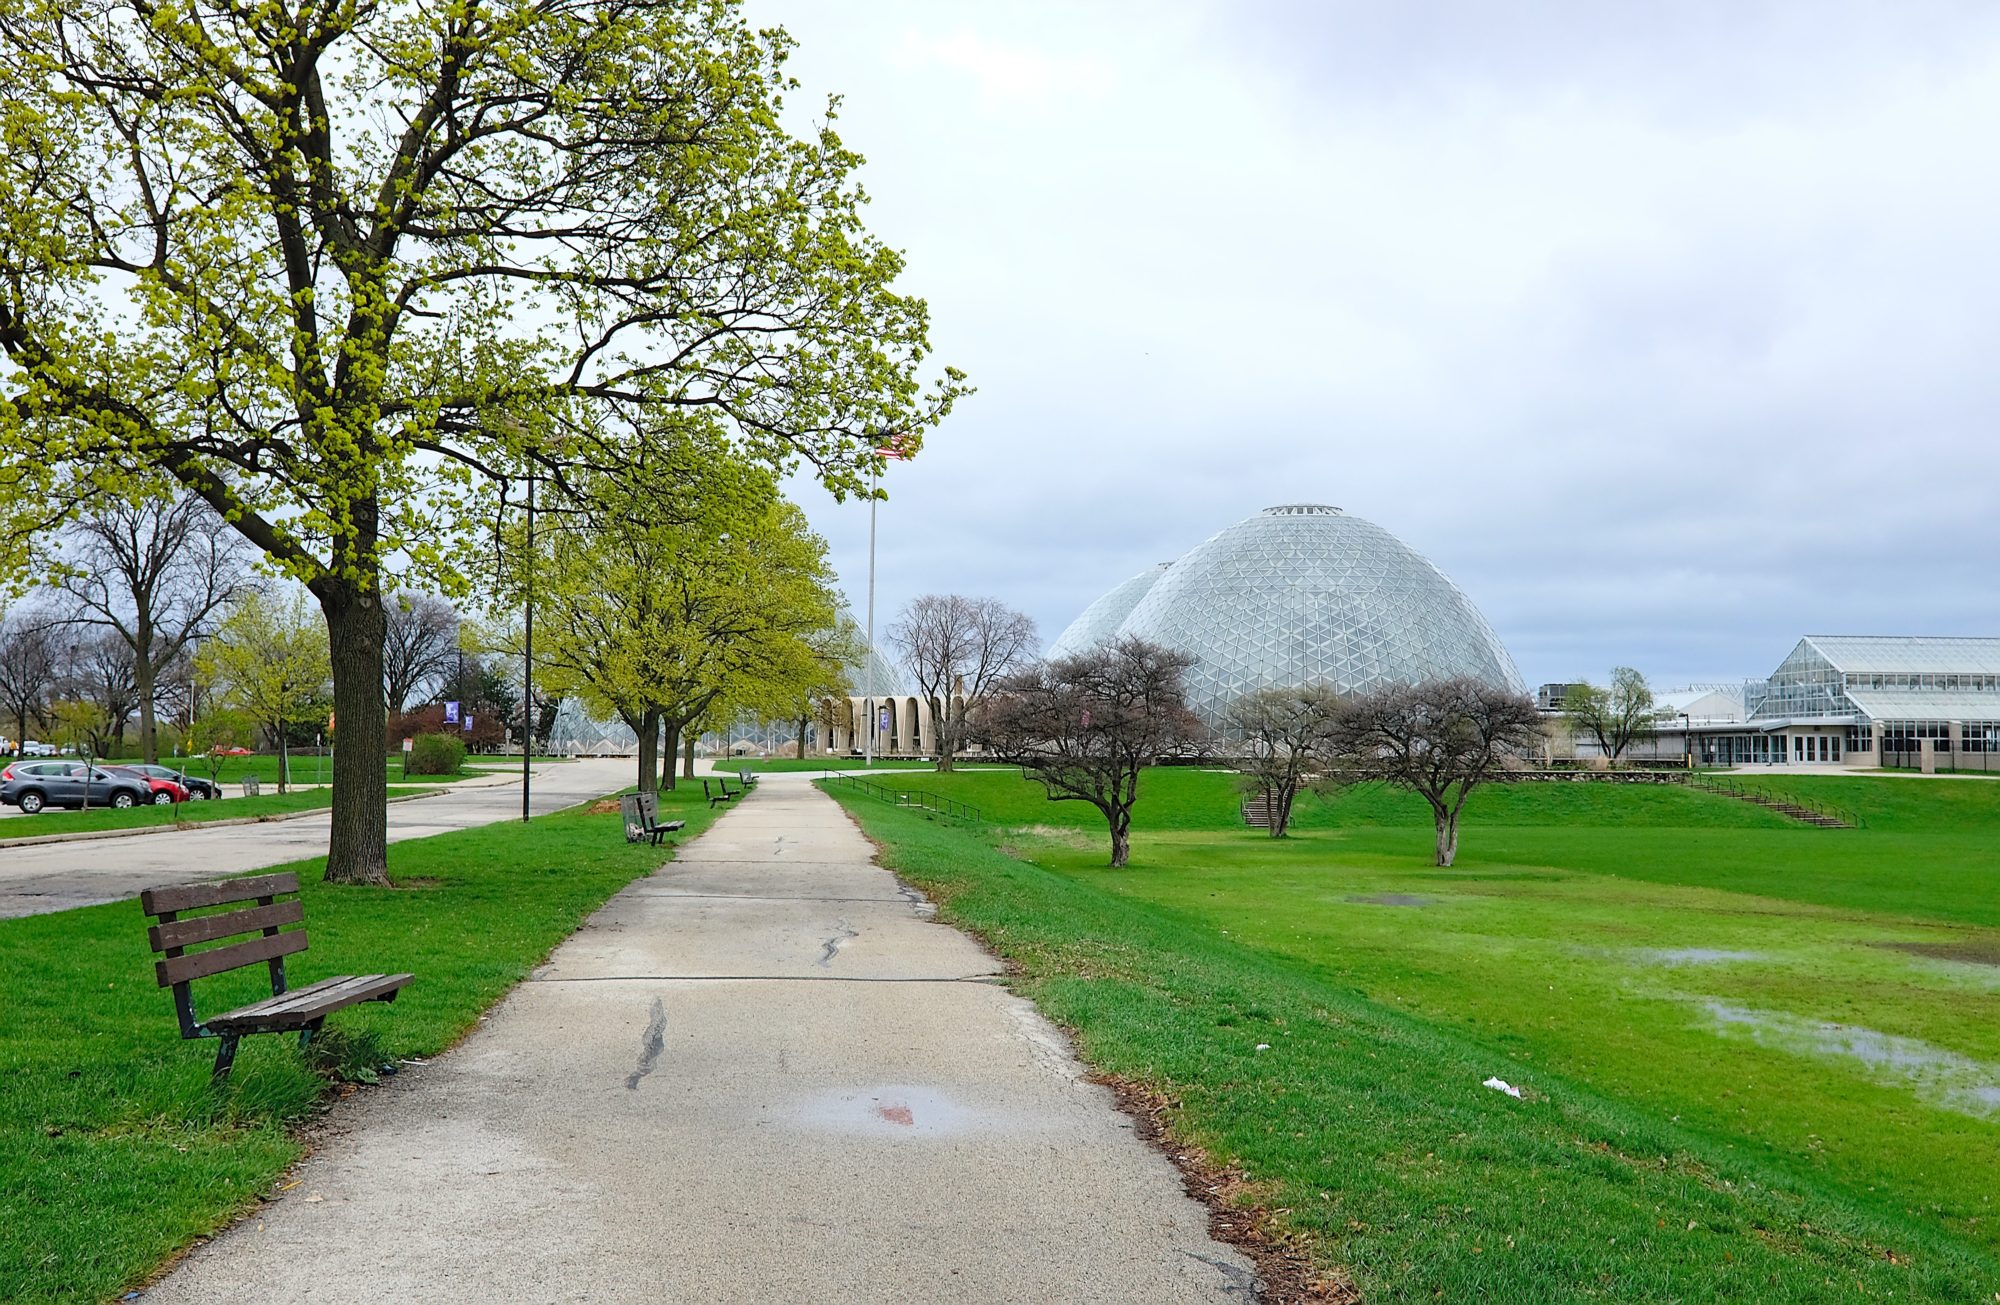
[286, 1010]
[715, 797]
[642, 818]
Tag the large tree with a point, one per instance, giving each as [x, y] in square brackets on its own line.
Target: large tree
[155, 574]
[1286, 735]
[685, 604]
[1086, 726]
[1440, 740]
[957, 649]
[1616, 717]
[353, 274]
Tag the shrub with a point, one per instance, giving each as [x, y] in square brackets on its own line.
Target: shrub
[435, 754]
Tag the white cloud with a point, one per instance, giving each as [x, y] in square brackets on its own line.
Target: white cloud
[1003, 71]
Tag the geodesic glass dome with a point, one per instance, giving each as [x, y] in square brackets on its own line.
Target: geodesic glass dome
[1306, 594]
[1101, 619]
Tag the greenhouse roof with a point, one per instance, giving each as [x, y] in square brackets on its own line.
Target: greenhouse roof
[1908, 653]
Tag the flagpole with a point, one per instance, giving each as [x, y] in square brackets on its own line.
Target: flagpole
[868, 752]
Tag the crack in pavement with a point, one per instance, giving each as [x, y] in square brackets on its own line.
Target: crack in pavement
[831, 946]
[649, 1050]
[1240, 1282]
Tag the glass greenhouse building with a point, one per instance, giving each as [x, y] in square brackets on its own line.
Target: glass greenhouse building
[1862, 701]
[1300, 594]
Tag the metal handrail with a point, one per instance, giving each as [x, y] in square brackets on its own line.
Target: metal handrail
[900, 797]
[1765, 797]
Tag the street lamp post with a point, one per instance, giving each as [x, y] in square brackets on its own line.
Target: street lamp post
[1687, 740]
[528, 651]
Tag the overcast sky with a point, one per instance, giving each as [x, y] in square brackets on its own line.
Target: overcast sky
[1670, 332]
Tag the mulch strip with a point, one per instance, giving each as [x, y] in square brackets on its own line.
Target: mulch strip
[1285, 1273]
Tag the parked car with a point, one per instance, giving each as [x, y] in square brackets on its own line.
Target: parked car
[198, 789]
[35, 748]
[33, 785]
[166, 790]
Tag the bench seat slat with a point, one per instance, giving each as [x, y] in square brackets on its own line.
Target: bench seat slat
[207, 928]
[199, 965]
[193, 897]
[303, 1006]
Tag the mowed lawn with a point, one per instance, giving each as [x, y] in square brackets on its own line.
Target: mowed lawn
[1814, 1010]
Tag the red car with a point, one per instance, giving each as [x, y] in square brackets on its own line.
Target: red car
[165, 791]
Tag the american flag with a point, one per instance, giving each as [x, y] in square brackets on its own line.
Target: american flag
[899, 447]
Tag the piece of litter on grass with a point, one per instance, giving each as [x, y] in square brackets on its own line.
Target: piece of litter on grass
[1263, 1046]
[1502, 1085]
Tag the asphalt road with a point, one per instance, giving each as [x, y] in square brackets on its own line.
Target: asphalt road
[57, 876]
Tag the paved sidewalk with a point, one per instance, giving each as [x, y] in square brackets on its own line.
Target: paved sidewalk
[761, 1074]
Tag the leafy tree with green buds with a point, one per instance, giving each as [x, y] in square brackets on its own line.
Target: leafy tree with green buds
[355, 274]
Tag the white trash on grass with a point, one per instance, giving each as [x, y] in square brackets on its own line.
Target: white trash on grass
[1502, 1085]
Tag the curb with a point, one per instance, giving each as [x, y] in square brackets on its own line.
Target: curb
[84, 836]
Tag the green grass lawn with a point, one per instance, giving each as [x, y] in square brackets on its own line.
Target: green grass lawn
[54, 820]
[115, 1151]
[1763, 1060]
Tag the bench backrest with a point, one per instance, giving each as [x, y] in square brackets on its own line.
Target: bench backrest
[649, 807]
[265, 919]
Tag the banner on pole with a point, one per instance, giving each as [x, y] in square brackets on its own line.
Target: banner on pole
[451, 713]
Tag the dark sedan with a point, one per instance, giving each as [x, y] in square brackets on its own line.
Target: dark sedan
[33, 785]
[198, 789]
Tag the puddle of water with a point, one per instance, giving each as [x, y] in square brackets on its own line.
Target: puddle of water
[1943, 1078]
[1392, 899]
[892, 1110]
[1696, 956]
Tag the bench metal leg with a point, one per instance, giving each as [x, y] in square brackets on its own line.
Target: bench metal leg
[306, 1036]
[225, 1056]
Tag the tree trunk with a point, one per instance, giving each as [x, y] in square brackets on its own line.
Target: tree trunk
[649, 752]
[668, 778]
[145, 676]
[947, 737]
[804, 721]
[687, 756]
[357, 852]
[1121, 837]
[1447, 837]
[1280, 808]
[284, 770]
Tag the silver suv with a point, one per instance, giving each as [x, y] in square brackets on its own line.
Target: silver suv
[33, 785]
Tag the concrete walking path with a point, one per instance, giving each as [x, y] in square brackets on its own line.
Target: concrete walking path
[760, 1074]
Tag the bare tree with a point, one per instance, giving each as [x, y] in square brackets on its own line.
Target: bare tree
[157, 575]
[103, 672]
[1085, 726]
[1616, 717]
[28, 666]
[419, 648]
[957, 649]
[1440, 740]
[1287, 734]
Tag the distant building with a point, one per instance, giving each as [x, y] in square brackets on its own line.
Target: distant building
[1857, 701]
